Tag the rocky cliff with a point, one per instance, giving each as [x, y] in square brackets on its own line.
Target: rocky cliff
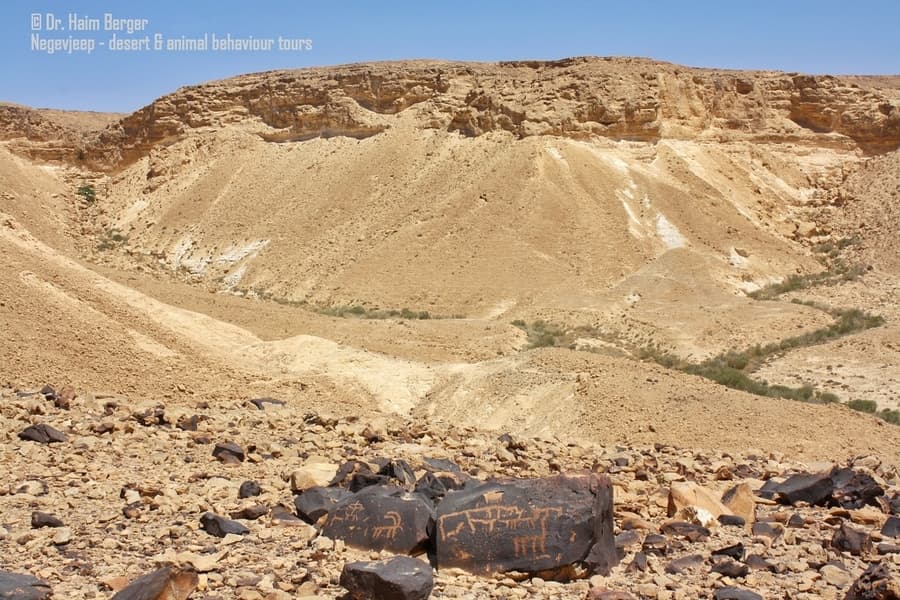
[576, 98]
[619, 98]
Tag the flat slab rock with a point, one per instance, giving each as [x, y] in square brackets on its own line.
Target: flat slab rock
[19, 586]
[42, 434]
[527, 525]
[397, 578]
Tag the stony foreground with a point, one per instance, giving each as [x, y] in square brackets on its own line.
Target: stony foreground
[102, 489]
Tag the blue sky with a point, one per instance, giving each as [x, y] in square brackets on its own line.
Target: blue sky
[824, 36]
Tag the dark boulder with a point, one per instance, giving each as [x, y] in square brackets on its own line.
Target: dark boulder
[733, 593]
[768, 489]
[260, 403]
[856, 490]
[250, 513]
[282, 515]
[18, 586]
[638, 564]
[400, 471]
[655, 544]
[891, 527]
[765, 529]
[229, 453]
[186, 423]
[42, 434]
[894, 504]
[732, 520]
[435, 485]
[876, 583]
[382, 518]
[526, 525]
[249, 489]
[796, 520]
[42, 519]
[731, 568]
[167, 583]
[759, 563]
[814, 489]
[363, 480]
[689, 531]
[849, 539]
[219, 526]
[603, 555]
[315, 502]
[346, 471]
[441, 464]
[628, 539]
[735, 551]
[397, 578]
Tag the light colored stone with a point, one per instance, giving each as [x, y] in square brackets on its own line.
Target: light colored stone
[62, 536]
[685, 494]
[835, 576]
[741, 501]
[313, 474]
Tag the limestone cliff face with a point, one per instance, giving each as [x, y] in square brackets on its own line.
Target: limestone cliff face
[33, 135]
[620, 98]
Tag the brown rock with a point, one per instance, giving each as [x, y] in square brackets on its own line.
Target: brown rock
[42, 519]
[741, 502]
[604, 594]
[397, 578]
[167, 583]
[229, 453]
[65, 397]
[382, 518]
[849, 539]
[17, 586]
[687, 494]
[43, 434]
[805, 487]
[876, 583]
[522, 525]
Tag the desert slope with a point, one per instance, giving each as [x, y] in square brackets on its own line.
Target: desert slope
[633, 204]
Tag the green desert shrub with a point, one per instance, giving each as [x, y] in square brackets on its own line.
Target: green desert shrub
[867, 406]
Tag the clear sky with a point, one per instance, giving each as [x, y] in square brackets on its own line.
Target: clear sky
[821, 36]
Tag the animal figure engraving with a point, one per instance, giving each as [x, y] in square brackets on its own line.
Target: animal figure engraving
[390, 531]
[492, 519]
[348, 514]
[530, 545]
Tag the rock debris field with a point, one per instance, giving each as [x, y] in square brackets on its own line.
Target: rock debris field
[251, 500]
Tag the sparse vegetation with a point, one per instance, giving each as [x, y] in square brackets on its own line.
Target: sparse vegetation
[891, 416]
[871, 407]
[836, 271]
[867, 406]
[352, 311]
[733, 369]
[87, 193]
[112, 238]
[542, 334]
[361, 312]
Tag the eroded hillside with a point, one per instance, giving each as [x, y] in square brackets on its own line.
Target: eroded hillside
[288, 232]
